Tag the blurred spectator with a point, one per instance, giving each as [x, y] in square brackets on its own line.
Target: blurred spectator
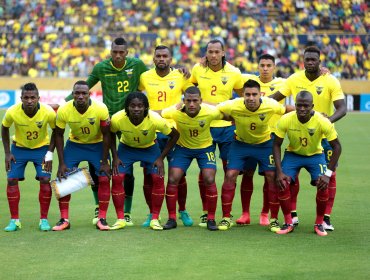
[65, 38]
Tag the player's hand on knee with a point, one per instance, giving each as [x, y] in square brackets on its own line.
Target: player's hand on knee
[160, 166]
[105, 169]
[282, 181]
[115, 164]
[323, 182]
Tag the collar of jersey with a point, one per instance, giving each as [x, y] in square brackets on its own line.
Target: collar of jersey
[118, 69]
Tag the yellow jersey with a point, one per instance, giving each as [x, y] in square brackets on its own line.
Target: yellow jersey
[217, 87]
[325, 90]
[84, 128]
[32, 132]
[142, 135]
[195, 132]
[305, 138]
[163, 92]
[252, 127]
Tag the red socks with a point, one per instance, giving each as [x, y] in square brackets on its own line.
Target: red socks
[246, 191]
[227, 196]
[157, 195]
[332, 189]
[118, 195]
[44, 200]
[284, 199]
[148, 187]
[14, 196]
[171, 199]
[203, 191]
[64, 206]
[321, 201]
[294, 190]
[212, 200]
[182, 193]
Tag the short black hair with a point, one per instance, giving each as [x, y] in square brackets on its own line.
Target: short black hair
[119, 41]
[252, 84]
[162, 47]
[266, 56]
[139, 95]
[29, 87]
[215, 41]
[81, 82]
[192, 90]
[304, 94]
[313, 49]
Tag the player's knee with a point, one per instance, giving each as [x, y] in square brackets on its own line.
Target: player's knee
[270, 177]
[209, 180]
[231, 176]
[12, 182]
[173, 180]
[44, 180]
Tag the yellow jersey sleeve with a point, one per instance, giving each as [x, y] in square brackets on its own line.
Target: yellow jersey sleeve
[32, 132]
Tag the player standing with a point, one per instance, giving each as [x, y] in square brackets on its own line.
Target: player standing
[216, 80]
[30, 143]
[89, 140]
[164, 86]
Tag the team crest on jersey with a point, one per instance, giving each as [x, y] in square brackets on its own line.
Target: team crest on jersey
[144, 132]
[319, 89]
[262, 116]
[129, 73]
[311, 131]
[39, 124]
[202, 123]
[91, 120]
[272, 88]
[171, 84]
[224, 80]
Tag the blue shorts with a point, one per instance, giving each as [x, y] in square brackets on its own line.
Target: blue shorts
[243, 154]
[129, 155]
[22, 157]
[74, 153]
[182, 158]
[223, 137]
[315, 165]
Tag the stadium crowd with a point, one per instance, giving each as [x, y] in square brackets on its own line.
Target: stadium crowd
[66, 38]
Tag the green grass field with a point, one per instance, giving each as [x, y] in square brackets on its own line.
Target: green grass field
[250, 252]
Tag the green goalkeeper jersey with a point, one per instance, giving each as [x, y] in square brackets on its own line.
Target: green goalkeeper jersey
[116, 83]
